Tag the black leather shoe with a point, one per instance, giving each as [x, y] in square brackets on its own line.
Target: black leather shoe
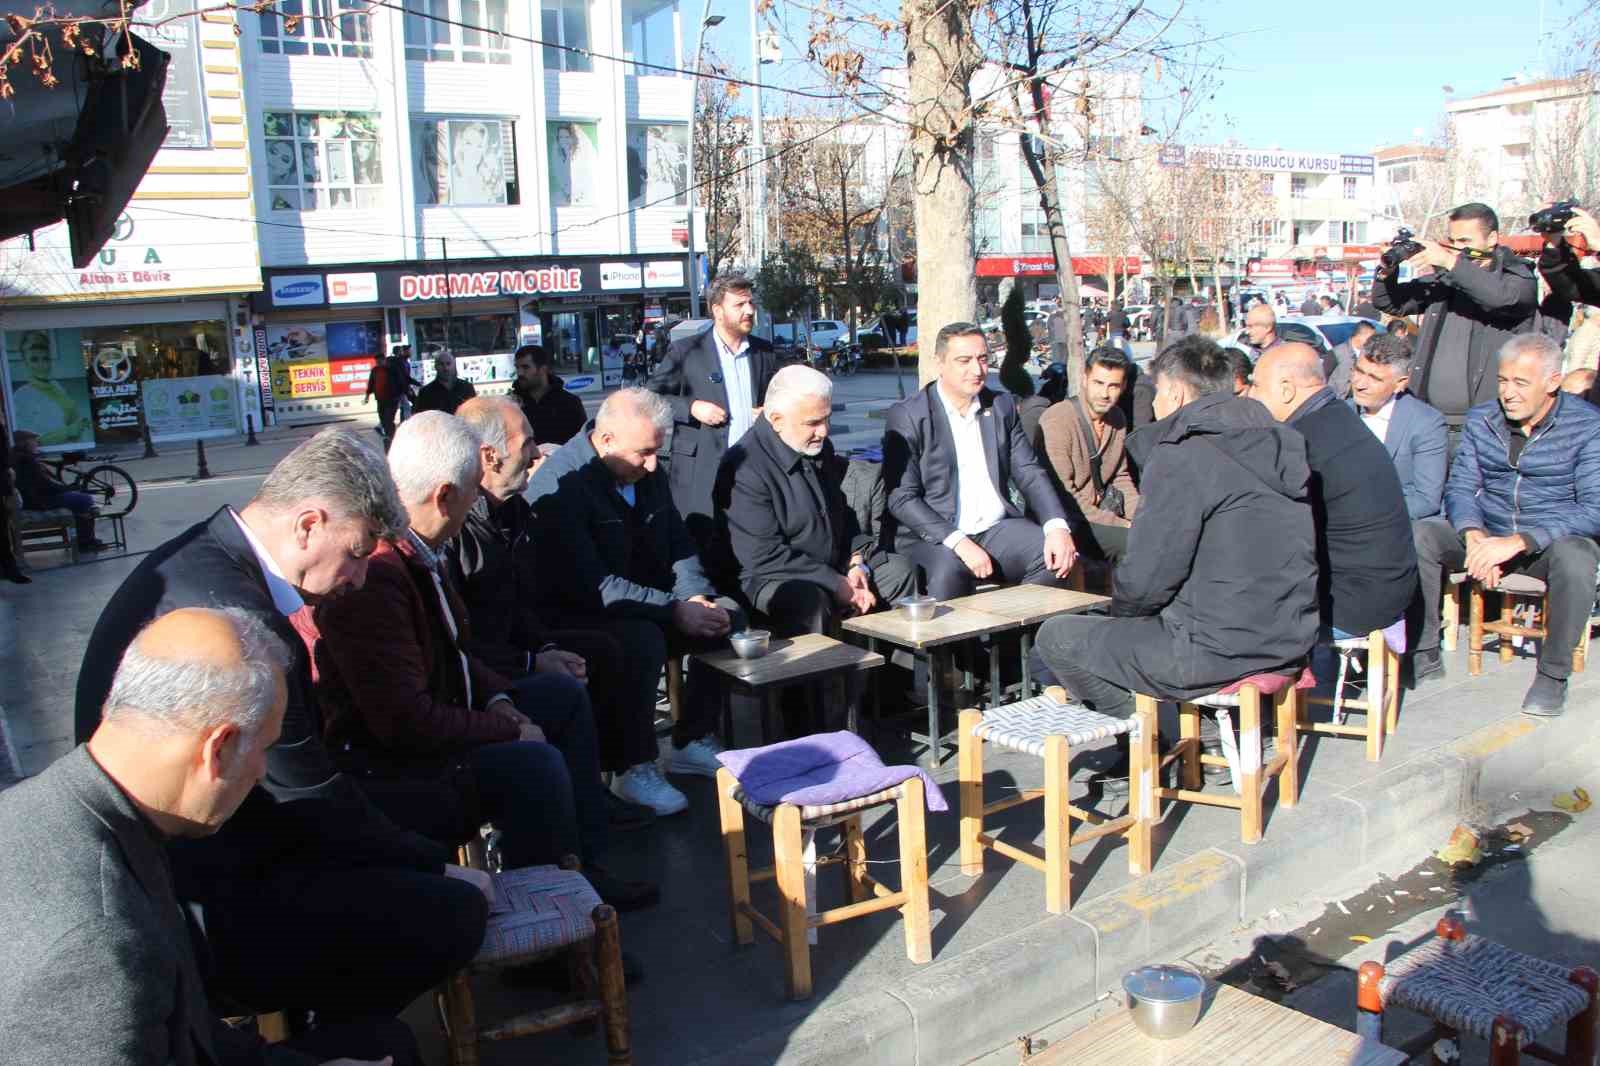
[622, 894]
[624, 816]
[1546, 698]
[15, 575]
[1426, 666]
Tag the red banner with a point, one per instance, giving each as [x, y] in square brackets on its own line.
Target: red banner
[1016, 266]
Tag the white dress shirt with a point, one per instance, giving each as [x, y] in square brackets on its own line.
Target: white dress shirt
[285, 597]
[1379, 422]
[735, 363]
[978, 502]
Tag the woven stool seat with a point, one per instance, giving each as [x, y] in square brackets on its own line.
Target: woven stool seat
[1520, 585]
[54, 516]
[1266, 684]
[1465, 984]
[1025, 726]
[819, 815]
[537, 910]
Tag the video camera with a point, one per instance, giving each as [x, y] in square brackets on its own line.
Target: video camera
[1553, 219]
[1400, 249]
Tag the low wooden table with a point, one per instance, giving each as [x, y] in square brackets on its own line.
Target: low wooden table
[1027, 606]
[930, 640]
[789, 661]
[1234, 1028]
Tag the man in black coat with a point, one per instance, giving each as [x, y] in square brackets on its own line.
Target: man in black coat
[303, 891]
[1220, 578]
[626, 564]
[1366, 559]
[555, 414]
[446, 391]
[714, 383]
[951, 455]
[1479, 295]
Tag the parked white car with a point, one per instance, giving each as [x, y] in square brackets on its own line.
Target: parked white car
[827, 333]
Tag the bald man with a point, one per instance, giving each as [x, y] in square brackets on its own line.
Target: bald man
[1367, 564]
[100, 968]
[1260, 327]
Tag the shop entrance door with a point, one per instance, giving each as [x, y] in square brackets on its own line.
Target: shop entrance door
[572, 339]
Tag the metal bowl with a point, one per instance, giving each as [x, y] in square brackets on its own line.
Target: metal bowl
[917, 608]
[1164, 1000]
[750, 643]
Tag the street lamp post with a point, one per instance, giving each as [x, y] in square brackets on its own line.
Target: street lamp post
[694, 98]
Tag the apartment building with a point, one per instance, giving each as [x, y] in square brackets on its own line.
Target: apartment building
[1525, 142]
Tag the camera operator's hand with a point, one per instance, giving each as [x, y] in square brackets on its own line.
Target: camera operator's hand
[1583, 224]
[1435, 255]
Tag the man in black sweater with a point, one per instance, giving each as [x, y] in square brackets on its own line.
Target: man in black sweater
[1366, 561]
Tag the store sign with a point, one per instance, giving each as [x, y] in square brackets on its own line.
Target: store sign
[264, 377]
[298, 290]
[1018, 266]
[664, 274]
[621, 276]
[315, 360]
[173, 27]
[583, 383]
[188, 407]
[490, 283]
[1257, 159]
[353, 288]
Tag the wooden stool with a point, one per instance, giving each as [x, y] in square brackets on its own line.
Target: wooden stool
[539, 912]
[1047, 727]
[48, 530]
[1511, 588]
[1450, 609]
[792, 830]
[1466, 984]
[1251, 778]
[1382, 667]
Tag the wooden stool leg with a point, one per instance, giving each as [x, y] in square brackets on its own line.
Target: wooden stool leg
[1580, 654]
[1377, 692]
[1583, 1040]
[1391, 699]
[462, 1019]
[736, 856]
[855, 864]
[914, 871]
[1144, 766]
[1287, 705]
[1250, 816]
[792, 899]
[1369, 1004]
[1189, 729]
[1508, 616]
[1475, 629]
[1057, 827]
[613, 986]
[1451, 619]
[1505, 1040]
[675, 688]
[970, 774]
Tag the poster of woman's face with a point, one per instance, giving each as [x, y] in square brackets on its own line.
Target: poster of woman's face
[281, 167]
[297, 342]
[475, 166]
[658, 157]
[574, 157]
[309, 165]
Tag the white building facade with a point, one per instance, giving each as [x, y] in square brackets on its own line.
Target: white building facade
[1526, 142]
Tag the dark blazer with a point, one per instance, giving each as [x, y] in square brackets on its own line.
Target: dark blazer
[919, 466]
[100, 969]
[772, 525]
[581, 520]
[691, 371]
[306, 813]
[1416, 441]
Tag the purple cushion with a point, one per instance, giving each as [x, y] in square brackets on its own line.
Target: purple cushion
[820, 769]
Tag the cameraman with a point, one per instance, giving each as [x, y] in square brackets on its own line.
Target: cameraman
[1478, 296]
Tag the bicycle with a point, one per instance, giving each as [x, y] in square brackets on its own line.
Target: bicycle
[105, 482]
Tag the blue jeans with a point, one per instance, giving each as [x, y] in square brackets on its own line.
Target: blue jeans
[81, 504]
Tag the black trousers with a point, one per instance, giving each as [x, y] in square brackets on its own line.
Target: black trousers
[624, 715]
[1058, 645]
[1109, 543]
[387, 409]
[1015, 545]
[1567, 567]
[350, 944]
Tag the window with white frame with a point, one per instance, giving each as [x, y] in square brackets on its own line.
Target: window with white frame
[565, 23]
[316, 28]
[652, 35]
[466, 161]
[1297, 186]
[457, 31]
[1035, 230]
[986, 229]
[322, 160]
[1349, 188]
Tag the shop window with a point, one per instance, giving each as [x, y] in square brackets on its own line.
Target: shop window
[565, 23]
[457, 31]
[321, 360]
[323, 160]
[464, 161]
[658, 164]
[316, 28]
[481, 344]
[653, 36]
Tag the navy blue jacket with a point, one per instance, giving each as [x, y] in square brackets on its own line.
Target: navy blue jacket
[1553, 491]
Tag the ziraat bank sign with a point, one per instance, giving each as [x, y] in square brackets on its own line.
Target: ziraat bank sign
[486, 283]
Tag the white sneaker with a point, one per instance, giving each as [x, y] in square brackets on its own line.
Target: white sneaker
[695, 757]
[644, 785]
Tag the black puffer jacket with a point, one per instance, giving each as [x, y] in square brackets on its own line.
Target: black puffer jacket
[1222, 550]
[491, 561]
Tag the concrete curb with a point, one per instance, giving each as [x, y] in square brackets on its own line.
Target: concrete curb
[980, 1000]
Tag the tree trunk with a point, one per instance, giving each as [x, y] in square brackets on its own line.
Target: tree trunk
[1222, 306]
[1044, 177]
[940, 61]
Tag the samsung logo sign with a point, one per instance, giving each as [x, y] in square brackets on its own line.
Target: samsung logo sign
[293, 290]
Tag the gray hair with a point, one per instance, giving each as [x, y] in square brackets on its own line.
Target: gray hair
[637, 402]
[486, 416]
[797, 382]
[343, 473]
[433, 449]
[192, 695]
[1548, 351]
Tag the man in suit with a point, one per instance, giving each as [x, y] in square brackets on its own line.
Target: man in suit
[714, 383]
[627, 565]
[786, 535]
[100, 968]
[286, 888]
[951, 455]
[1413, 432]
[1339, 363]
